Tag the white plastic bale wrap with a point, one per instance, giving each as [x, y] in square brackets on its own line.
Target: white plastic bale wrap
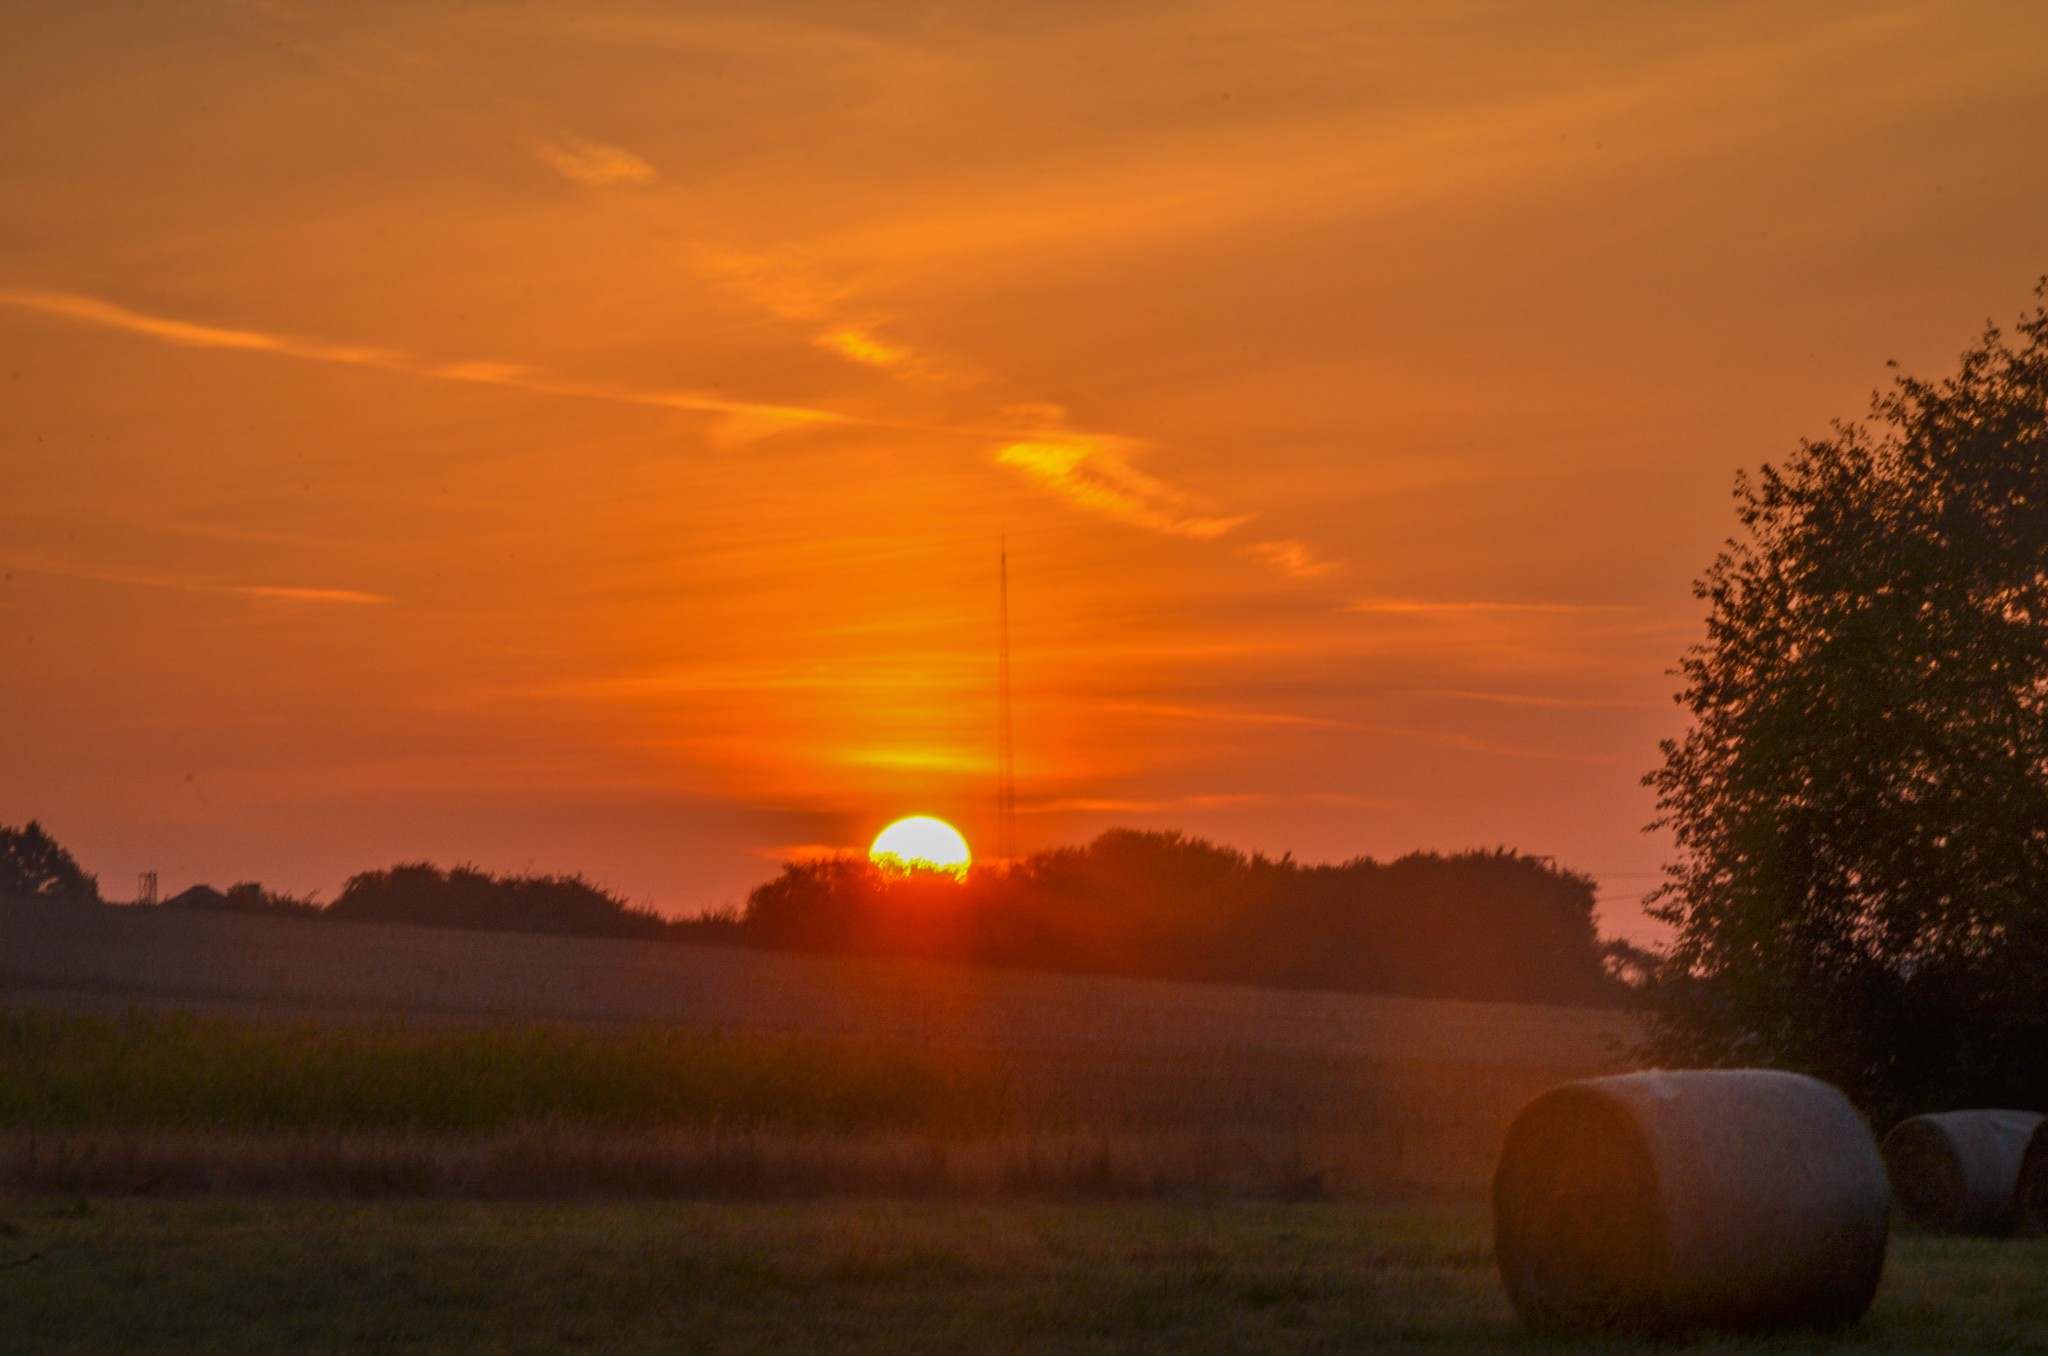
[1664, 1201]
[1958, 1172]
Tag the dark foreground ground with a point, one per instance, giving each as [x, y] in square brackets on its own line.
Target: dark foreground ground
[280, 1276]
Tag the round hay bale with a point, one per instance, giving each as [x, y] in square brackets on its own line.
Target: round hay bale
[1658, 1202]
[1958, 1172]
[2030, 1199]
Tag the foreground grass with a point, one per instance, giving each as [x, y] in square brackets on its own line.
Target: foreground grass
[442, 1277]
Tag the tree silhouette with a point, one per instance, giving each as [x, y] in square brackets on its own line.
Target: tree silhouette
[464, 897]
[33, 866]
[1489, 925]
[1861, 802]
[246, 897]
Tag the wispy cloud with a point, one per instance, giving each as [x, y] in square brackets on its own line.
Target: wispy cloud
[594, 163]
[1121, 805]
[279, 593]
[1093, 471]
[881, 674]
[739, 420]
[106, 315]
[289, 594]
[1233, 173]
[1295, 559]
[1435, 607]
[1445, 739]
[1225, 715]
[1173, 804]
[860, 343]
[792, 291]
[1493, 748]
[855, 344]
[1531, 699]
[786, 287]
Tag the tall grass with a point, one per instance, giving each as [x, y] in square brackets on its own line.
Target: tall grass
[180, 1071]
[178, 1102]
[704, 1164]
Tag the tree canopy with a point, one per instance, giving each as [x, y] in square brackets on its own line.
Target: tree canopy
[465, 897]
[1860, 805]
[34, 866]
[245, 897]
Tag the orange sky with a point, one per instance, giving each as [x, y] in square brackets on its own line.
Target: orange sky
[577, 436]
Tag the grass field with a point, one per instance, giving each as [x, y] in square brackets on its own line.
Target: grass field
[601, 1065]
[178, 1071]
[277, 1276]
[114, 958]
[156, 1102]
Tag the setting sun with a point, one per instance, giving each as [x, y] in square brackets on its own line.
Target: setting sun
[921, 843]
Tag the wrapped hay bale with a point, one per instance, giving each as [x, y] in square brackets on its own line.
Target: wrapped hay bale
[1657, 1202]
[1958, 1172]
[2030, 1199]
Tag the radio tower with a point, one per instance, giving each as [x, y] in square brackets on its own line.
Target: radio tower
[1006, 739]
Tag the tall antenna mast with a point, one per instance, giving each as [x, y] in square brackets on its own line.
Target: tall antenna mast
[1006, 739]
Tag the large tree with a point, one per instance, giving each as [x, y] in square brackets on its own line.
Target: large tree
[1861, 803]
[34, 866]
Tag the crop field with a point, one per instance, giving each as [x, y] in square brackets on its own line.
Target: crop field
[177, 1071]
[321, 1056]
[153, 1102]
[114, 957]
[271, 1276]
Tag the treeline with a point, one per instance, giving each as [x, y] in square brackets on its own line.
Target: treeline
[1482, 925]
[423, 894]
[34, 866]
[468, 898]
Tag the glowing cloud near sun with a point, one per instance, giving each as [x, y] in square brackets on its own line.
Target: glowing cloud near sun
[921, 843]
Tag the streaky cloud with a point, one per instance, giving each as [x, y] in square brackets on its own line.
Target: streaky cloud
[1531, 699]
[740, 420]
[1125, 805]
[1225, 715]
[1432, 607]
[281, 593]
[290, 594]
[92, 311]
[1293, 558]
[857, 344]
[1446, 739]
[594, 163]
[1093, 471]
[1200, 801]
